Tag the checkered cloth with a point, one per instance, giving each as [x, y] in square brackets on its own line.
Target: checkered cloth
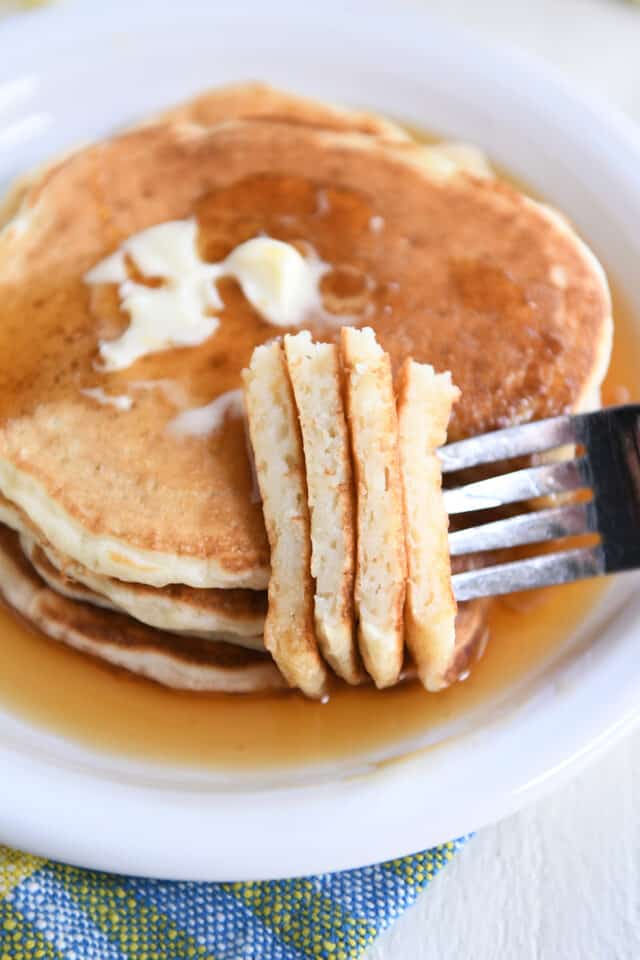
[49, 910]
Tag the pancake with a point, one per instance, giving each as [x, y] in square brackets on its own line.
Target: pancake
[425, 400]
[460, 271]
[314, 370]
[464, 156]
[11, 202]
[260, 101]
[185, 663]
[174, 661]
[236, 616]
[381, 562]
[219, 621]
[257, 101]
[472, 636]
[280, 468]
[57, 580]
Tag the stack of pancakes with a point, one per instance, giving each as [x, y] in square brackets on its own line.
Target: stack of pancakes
[146, 546]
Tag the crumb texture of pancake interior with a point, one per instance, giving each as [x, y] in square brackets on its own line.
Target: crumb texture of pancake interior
[316, 377]
[381, 556]
[425, 400]
[289, 632]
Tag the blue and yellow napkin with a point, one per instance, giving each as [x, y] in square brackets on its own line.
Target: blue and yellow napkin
[49, 911]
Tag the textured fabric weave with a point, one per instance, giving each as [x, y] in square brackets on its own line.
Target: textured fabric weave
[49, 911]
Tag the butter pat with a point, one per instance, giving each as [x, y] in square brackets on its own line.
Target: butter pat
[176, 314]
[281, 285]
[201, 421]
[276, 279]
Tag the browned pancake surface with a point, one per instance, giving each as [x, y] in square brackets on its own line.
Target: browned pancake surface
[457, 272]
[259, 101]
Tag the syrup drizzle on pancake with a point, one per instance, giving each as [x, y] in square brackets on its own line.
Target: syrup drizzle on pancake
[518, 345]
[111, 711]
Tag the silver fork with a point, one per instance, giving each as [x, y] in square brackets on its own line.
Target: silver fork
[609, 467]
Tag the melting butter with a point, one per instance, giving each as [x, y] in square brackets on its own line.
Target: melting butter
[173, 391]
[120, 402]
[201, 421]
[176, 314]
[281, 284]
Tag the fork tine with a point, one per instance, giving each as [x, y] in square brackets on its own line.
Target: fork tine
[536, 527]
[519, 485]
[504, 444]
[545, 571]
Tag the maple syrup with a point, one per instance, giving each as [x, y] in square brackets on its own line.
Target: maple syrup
[99, 707]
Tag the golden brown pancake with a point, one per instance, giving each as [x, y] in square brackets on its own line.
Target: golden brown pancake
[250, 101]
[220, 615]
[11, 201]
[186, 663]
[57, 579]
[381, 556]
[259, 101]
[289, 633]
[425, 399]
[463, 272]
[316, 378]
[472, 636]
[236, 616]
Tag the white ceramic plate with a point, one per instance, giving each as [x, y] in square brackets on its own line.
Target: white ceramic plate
[73, 74]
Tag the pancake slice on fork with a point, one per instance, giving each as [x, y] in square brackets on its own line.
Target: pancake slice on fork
[381, 556]
[289, 633]
[425, 399]
[314, 369]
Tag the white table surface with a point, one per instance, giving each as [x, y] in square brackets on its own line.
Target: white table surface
[560, 880]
